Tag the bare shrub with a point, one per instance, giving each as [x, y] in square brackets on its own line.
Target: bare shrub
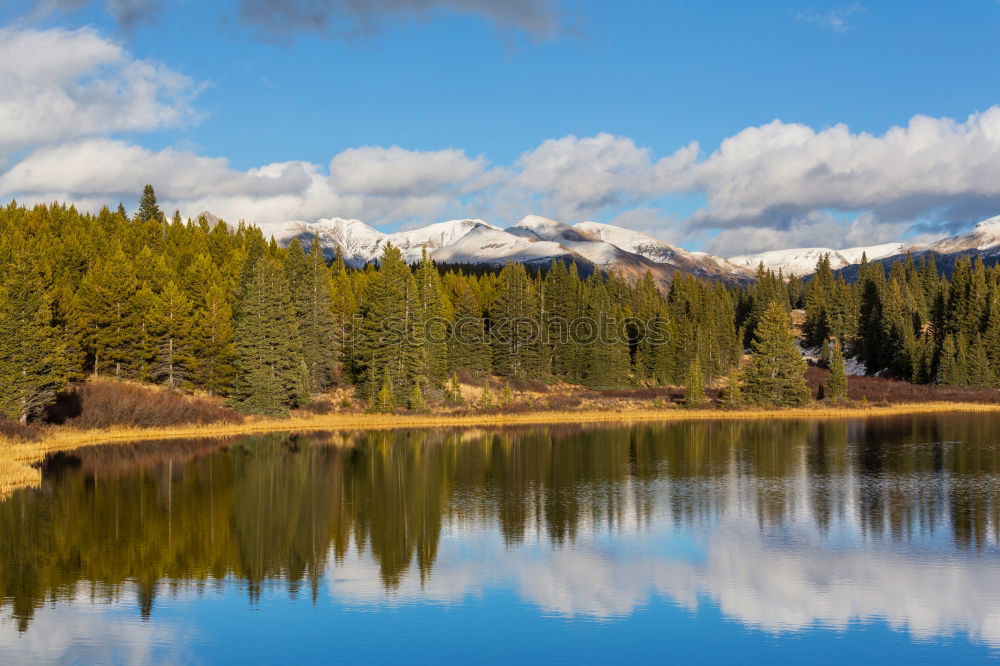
[105, 403]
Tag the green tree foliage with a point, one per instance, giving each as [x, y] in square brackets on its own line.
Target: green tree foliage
[149, 210]
[694, 386]
[33, 362]
[836, 382]
[271, 374]
[218, 308]
[516, 331]
[390, 341]
[311, 286]
[775, 376]
[170, 326]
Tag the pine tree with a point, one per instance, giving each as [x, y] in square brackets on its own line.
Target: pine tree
[455, 389]
[607, 355]
[467, 346]
[836, 383]
[732, 395]
[775, 376]
[170, 321]
[33, 363]
[417, 402]
[311, 287]
[383, 401]
[486, 397]
[980, 373]
[390, 338]
[110, 324]
[506, 396]
[149, 210]
[516, 331]
[271, 374]
[211, 335]
[694, 394]
[430, 320]
[950, 372]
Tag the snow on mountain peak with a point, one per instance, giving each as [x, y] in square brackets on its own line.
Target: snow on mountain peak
[992, 222]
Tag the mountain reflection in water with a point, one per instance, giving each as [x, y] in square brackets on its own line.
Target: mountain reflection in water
[783, 526]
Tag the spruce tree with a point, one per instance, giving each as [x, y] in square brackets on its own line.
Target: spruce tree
[486, 397]
[454, 389]
[430, 320]
[271, 373]
[149, 210]
[211, 335]
[836, 383]
[694, 393]
[607, 355]
[467, 346]
[110, 323]
[417, 402]
[170, 321]
[732, 394]
[390, 339]
[775, 376]
[33, 363]
[516, 331]
[311, 288]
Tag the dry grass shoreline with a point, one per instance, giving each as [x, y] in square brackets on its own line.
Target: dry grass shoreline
[18, 458]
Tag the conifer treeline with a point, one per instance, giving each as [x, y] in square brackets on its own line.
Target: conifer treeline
[218, 309]
[912, 323]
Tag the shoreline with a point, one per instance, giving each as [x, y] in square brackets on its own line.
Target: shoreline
[18, 458]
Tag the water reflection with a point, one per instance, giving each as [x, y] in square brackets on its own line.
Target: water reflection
[783, 526]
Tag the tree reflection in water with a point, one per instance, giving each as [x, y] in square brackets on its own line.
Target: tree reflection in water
[174, 516]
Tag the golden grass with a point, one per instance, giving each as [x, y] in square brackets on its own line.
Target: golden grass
[17, 457]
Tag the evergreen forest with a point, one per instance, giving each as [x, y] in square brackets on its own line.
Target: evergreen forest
[220, 309]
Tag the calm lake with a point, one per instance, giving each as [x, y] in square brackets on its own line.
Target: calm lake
[729, 542]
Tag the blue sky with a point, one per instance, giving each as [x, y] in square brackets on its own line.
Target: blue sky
[503, 109]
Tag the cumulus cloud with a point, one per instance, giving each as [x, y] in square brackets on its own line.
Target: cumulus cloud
[574, 177]
[57, 85]
[773, 175]
[398, 172]
[67, 95]
[352, 18]
[380, 185]
[815, 229]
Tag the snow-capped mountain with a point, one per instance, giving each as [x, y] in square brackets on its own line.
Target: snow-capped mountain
[984, 236]
[802, 261]
[539, 240]
[660, 251]
[360, 244]
[486, 244]
[534, 240]
[983, 240]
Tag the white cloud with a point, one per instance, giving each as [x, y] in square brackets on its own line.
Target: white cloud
[815, 229]
[576, 177]
[57, 85]
[771, 175]
[66, 95]
[397, 172]
[367, 183]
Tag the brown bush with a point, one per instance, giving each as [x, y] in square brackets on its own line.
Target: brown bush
[9, 429]
[894, 391]
[104, 403]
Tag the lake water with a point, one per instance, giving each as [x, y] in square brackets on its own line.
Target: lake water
[720, 542]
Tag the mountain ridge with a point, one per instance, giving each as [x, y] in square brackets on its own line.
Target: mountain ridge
[538, 240]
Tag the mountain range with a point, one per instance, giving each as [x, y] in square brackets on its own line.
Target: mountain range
[538, 241]
[535, 240]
